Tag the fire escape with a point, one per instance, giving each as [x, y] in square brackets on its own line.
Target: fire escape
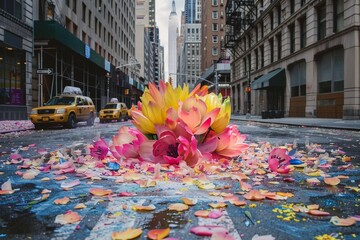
[240, 16]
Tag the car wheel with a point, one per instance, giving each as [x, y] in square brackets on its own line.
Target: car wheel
[119, 119]
[102, 120]
[91, 120]
[71, 123]
[126, 117]
[38, 126]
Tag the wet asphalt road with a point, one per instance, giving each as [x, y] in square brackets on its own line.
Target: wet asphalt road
[21, 218]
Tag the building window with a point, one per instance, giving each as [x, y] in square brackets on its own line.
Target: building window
[330, 69]
[271, 44]
[215, 27]
[298, 79]
[74, 6]
[338, 15]
[256, 59]
[302, 2]
[279, 14]
[67, 2]
[214, 51]
[279, 45]
[90, 18]
[302, 23]
[271, 20]
[12, 7]
[292, 37]
[214, 2]
[215, 39]
[321, 12]
[292, 6]
[262, 59]
[215, 15]
[83, 12]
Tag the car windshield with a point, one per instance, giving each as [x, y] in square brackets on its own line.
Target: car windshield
[110, 106]
[61, 101]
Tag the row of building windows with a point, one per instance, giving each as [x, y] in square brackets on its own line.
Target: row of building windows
[300, 23]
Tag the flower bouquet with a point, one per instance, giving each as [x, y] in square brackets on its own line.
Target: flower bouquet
[173, 126]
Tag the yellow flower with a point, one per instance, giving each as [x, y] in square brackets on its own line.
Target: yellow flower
[223, 118]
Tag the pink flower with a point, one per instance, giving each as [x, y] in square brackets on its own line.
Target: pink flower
[230, 142]
[172, 147]
[279, 161]
[128, 144]
[100, 149]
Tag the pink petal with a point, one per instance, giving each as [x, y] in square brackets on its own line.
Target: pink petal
[207, 230]
[215, 214]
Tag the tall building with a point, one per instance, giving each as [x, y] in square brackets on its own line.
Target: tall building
[192, 11]
[143, 44]
[190, 56]
[295, 58]
[172, 37]
[153, 31]
[16, 48]
[87, 44]
[215, 59]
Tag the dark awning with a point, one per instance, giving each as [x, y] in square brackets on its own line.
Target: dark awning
[275, 78]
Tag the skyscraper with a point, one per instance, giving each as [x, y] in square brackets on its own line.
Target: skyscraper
[173, 32]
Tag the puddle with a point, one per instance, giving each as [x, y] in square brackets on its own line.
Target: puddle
[167, 218]
[23, 224]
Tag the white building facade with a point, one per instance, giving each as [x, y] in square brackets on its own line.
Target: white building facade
[172, 46]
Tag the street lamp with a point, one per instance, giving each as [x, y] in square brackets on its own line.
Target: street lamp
[108, 76]
[202, 79]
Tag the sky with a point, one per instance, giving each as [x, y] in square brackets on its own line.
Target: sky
[163, 9]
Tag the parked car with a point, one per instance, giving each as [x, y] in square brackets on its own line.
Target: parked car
[114, 110]
[67, 109]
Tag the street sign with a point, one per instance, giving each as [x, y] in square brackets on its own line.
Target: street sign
[48, 71]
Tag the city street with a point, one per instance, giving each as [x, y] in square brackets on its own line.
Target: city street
[104, 199]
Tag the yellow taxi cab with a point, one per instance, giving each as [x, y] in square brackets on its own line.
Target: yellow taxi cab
[114, 110]
[67, 109]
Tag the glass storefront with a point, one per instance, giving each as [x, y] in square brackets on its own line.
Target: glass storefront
[12, 76]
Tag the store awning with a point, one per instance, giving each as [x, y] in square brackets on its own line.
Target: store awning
[275, 78]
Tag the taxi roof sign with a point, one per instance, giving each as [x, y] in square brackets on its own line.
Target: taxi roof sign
[72, 90]
[114, 100]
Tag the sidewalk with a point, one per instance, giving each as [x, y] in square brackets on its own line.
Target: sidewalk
[333, 123]
[23, 125]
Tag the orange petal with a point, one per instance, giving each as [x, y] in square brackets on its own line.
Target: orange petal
[254, 195]
[80, 206]
[5, 192]
[189, 202]
[332, 181]
[202, 213]
[67, 218]
[144, 208]
[238, 203]
[130, 233]
[100, 191]
[345, 222]
[313, 207]
[245, 186]
[218, 205]
[285, 194]
[312, 181]
[318, 213]
[178, 207]
[59, 178]
[62, 201]
[158, 233]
